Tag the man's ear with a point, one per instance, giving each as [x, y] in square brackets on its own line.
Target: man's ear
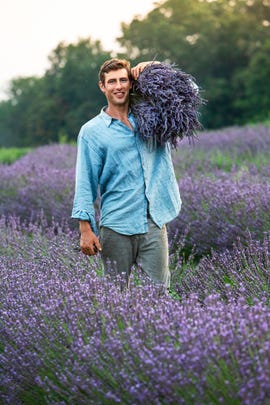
[101, 86]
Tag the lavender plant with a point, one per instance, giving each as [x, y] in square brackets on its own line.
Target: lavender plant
[69, 336]
[217, 207]
[243, 271]
[166, 101]
[229, 149]
[216, 212]
[42, 181]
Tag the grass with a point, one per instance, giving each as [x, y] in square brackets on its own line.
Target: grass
[207, 162]
[226, 161]
[10, 155]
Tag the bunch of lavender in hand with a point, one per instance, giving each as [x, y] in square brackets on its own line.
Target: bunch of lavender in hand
[165, 103]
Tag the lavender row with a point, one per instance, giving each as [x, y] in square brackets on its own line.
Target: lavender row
[244, 140]
[216, 212]
[228, 149]
[70, 336]
[243, 270]
[41, 181]
[217, 206]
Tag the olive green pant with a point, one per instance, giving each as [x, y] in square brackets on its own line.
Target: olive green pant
[149, 251]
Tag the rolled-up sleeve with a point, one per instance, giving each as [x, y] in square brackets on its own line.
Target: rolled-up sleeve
[88, 166]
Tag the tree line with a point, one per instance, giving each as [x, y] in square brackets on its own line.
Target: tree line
[223, 44]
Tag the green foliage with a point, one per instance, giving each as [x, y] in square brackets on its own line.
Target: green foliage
[32, 109]
[9, 155]
[73, 80]
[224, 44]
[256, 84]
[41, 109]
[219, 159]
[5, 129]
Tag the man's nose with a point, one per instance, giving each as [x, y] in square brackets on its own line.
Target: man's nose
[118, 83]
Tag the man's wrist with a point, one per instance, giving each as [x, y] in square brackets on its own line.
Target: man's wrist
[85, 226]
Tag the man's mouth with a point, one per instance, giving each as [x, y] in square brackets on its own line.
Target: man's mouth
[119, 94]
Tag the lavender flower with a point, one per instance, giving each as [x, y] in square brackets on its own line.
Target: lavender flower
[216, 211]
[229, 149]
[243, 271]
[69, 336]
[165, 103]
[78, 339]
[42, 181]
[223, 180]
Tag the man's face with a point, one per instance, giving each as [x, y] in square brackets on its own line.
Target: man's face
[116, 87]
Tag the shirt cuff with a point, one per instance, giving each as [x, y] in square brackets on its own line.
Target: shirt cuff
[85, 216]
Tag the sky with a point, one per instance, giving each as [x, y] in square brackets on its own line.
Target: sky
[31, 29]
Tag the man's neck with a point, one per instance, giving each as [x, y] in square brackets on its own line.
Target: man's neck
[120, 113]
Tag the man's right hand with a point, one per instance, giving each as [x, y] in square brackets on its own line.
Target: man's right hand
[89, 242]
[137, 70]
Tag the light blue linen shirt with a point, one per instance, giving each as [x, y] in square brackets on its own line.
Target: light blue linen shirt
[134, 180]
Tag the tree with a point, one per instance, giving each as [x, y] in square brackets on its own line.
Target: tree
[256, 84]
[212, 40]
[41, 110]
[27, 110]
[72, 81]
[6, 136]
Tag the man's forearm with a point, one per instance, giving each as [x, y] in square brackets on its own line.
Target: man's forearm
[85, 226]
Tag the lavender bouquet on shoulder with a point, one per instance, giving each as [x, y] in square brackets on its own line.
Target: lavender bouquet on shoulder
[165, 102]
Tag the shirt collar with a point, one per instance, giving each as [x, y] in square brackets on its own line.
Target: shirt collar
[108, 119]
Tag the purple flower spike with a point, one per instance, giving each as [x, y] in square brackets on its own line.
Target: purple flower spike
[165, 102]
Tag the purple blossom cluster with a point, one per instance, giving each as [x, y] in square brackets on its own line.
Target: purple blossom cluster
[224, 184]
[243, 141]
[218, 206]
[70, 336]
[166, 101]
[41, 181]
[229, 149]
[243, 271]
[216, 211]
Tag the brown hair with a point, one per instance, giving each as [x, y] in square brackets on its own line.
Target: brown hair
[114, 64]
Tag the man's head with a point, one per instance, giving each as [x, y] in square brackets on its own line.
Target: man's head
[115, 81]
[113, 64]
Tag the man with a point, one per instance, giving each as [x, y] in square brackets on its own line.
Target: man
[138, 189]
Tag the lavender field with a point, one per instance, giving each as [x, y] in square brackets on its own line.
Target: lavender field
[70, 336]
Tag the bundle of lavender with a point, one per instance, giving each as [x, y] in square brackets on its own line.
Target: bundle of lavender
[165, 102]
